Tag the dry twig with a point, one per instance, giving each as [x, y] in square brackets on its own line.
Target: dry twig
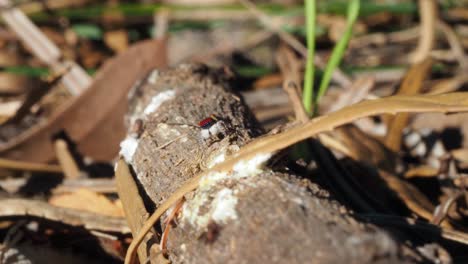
[65, 158]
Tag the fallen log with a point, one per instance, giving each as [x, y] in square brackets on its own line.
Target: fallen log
[185, 120]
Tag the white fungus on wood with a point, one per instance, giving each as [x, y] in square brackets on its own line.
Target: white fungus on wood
[158, 100]
[222, 207]
[252, 166]
[128, 148]
[153, 77]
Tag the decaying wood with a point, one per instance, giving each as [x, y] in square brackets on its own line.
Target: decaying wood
[77, 218]
[454, 102]
[261, 215]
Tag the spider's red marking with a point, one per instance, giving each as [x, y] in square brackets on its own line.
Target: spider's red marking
[208, 122]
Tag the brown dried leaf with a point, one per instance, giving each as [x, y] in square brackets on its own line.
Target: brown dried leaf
[90, 201]
[94, 119]
[11, 83]
[8, 109]
[135, 211]
[117, 40]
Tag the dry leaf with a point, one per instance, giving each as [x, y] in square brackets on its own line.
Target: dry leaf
[94, 119]
[117, 40]
[87, 200]
[8, 109]
[135, 210]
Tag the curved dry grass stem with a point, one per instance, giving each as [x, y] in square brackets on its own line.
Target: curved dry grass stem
[428, 14]
[454, 42]
[446, 103]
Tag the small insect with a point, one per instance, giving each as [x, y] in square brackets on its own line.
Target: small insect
[208, 122]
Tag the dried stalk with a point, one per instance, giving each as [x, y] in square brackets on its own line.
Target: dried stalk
[29, 166]
[75, 79]
[428, 15]
[65, 158]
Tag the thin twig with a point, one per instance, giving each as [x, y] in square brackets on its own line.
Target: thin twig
[290, 71]
[455, 45]
[73, 217]
[29, 166]
[168, 222]
[441, 211]
[65, 158]
[76, 80]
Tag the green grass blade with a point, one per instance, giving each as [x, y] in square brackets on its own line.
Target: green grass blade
[339, 49]
[308, 91]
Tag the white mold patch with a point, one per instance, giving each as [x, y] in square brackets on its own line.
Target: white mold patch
[191, 211]
[153, 77]
[211, 178]
[241, 169]
[224, 206]
[253, 166]
[158, 100]
[128, 148]
[221, 209]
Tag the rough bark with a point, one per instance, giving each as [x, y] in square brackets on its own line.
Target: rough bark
[255, 215]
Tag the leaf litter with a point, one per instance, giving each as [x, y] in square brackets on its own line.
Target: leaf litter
[82, 130]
